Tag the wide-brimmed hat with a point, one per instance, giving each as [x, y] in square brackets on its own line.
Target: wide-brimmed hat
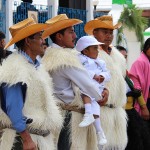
[85, 42]
[58, 23]
[101, 22]
[24, 29]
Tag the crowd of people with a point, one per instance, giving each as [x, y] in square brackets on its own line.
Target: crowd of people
[72, 96]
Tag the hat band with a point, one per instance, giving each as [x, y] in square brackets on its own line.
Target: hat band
[13, 32]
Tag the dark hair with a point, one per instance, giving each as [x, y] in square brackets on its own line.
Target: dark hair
[2, 35]
[120, 48]
[146, 45]
[20, 44]
[87, 48]
[53, 36]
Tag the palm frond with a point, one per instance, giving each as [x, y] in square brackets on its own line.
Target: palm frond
[131, 18]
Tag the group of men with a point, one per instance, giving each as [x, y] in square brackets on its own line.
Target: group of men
[41, 105]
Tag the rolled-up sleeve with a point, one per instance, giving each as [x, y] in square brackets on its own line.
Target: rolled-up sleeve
[12, 104]
[82, 79]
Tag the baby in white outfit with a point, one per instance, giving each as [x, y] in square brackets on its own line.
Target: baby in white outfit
[96, 68]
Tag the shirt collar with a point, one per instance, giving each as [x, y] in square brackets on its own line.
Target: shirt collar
[36, 63]
[55, 45]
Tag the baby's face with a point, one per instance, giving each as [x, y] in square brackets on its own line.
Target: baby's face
[92, 51]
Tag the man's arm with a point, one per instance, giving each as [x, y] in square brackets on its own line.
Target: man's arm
[83, 81]
[28, 143]
[12, 104]
[105, 95]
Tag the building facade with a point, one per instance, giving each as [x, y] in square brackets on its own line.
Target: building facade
[82, 9]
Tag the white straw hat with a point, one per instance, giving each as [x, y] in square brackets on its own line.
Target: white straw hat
[85, 42]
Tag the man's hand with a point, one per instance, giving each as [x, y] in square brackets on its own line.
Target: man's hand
[28, 143]
[105, 95]
[145, 113]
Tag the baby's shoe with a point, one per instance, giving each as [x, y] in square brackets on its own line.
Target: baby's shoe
[87, 120]
[101, 138]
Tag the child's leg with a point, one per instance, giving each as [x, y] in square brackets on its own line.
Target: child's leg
[97, 124]
[88, 116]
[87, 104]
[100, 133]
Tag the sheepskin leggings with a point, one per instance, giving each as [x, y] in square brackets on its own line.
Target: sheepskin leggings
[63, 142]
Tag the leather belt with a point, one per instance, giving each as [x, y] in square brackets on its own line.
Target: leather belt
[110, 105]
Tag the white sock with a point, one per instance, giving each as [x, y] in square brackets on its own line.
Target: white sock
[88, 108]
[97, 124]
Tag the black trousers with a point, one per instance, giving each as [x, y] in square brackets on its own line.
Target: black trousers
[137, 131]
[148, 106]
[63, 142]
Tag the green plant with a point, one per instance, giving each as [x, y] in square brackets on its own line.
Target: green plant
[131, 18]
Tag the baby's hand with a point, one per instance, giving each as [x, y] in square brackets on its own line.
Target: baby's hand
[97, 78]
[101, 79]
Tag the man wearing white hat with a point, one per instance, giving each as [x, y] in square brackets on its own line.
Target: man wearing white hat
[71, 81]
[115, 123]
[29, 117]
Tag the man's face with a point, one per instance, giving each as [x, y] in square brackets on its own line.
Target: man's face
[68, 38]
[36, 44]
[104, 35]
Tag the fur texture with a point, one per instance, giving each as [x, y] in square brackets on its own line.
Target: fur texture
[7, 139]
[80, 138]
[39, 104]
[55, 58]
[114, 120]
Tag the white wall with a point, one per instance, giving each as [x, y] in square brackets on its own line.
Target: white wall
[104, 5]
[39, 2]
[143, 4]
[107, 4]
[133, 47]
[9, 22]
[89, 8]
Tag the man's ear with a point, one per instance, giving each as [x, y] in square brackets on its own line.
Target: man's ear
[27, 41]
[59, 36]
[95, 33]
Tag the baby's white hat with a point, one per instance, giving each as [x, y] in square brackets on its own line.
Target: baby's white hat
[85, 42]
